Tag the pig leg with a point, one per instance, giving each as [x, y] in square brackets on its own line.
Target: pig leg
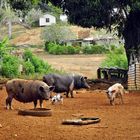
[71, 93]
[41, 101]
[71, 88]
[67, 94]
[121, 99]
[112, 102]
[9, 102]
[35, 103]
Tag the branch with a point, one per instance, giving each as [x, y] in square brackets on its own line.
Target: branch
[125, 11]
[24, 24]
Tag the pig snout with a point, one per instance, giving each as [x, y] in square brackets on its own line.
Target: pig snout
[46, 97]
[86, 86]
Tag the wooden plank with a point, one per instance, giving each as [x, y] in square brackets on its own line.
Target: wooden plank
[132, 73]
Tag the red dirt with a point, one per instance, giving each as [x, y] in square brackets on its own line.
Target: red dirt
[119, 122]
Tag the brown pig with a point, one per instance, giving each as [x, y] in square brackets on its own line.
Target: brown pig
[27, 91]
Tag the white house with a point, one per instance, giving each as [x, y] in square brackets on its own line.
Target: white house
[47, 19]
[63, 18]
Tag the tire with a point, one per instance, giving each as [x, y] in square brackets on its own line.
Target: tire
[41, 112]
[82, 121]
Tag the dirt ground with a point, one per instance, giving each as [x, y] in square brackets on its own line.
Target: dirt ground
[86, 65]
[119, 122]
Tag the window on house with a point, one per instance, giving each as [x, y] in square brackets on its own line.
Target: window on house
[47, 20]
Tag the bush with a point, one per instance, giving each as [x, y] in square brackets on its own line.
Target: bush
[27, 55]
[10, 66]
[71, 50]
[115, 60]
[95, 49]
[87, 50]
[29, 68]
[4, 47]
[57, 49]
[39, 65]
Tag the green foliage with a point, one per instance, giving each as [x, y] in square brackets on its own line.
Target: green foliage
[95, 49]
[73, 50]
[33, 16]
[57, 49]
[27, 55]
[116, 58]
[29, 68]
[55, 11]
[39, 66]
[115, 15]
[10, 66]
[56, 33]
[4, 48]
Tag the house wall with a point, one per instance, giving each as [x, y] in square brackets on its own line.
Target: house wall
[47, 20]
[63, 18]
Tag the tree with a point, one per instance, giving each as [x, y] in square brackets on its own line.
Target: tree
[26, 9]
[57, 33]
[122, 15]
[8, 16]
[33, 16]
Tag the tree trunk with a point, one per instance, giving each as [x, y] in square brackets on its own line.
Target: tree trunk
[132, 37]
[9, 29]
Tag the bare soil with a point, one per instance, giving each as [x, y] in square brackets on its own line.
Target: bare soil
[119, 122]
[86, 65]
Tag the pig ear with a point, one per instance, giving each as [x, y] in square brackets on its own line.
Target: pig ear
[41, 89]
[51, 88]
[113, 91]
[82, 78]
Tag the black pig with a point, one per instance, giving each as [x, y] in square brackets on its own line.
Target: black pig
[65, 83]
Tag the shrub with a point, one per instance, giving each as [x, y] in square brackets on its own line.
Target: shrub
[27, 55]
[39, 65]
[10, 66]
[71, 50]
[4, 47]
[28, 68]
[115, 60]
[57, 49]
[95, 49]
[87, 50]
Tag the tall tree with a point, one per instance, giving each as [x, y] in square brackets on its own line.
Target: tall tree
[23, 5]
[123, 15]
[8, 16]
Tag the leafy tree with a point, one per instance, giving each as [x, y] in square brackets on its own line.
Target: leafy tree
[23, 5]
[32, 17]
[56, 33]
[122, 15]
[8, 16]
[54, 10]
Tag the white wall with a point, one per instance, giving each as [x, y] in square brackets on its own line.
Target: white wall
[43, 22]
[63, 18]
